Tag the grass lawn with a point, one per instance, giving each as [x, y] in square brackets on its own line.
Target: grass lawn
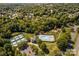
[68, 29]
[15, 34]
[51, 46]
[28, 35]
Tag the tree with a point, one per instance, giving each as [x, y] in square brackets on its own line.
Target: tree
[63, 29]
[22, 45]
[38, 41]
[17, 52]
[37, 51]
[78, 29]
[2, 51]
[44, 48]
[62, 42]
[2, 42]
[8, 49]
[69, 53]
[41, 53]
[5, 32]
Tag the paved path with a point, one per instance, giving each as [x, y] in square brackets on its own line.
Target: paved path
[73, 35]
[77, 46]
[77, 42]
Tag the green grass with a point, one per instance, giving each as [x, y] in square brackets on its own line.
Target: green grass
[68, 29]
[51, 46]
[28, 35]
[15, 34]
[76, 36]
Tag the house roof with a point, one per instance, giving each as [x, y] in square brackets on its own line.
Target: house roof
[28, 51]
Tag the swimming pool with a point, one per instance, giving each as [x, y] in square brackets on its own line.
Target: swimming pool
[46, 37]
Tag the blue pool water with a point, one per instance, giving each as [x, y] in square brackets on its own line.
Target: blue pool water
[46, 37]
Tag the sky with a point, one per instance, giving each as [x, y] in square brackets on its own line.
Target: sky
[39, 1]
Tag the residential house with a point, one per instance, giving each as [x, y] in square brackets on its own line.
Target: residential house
[28, 51]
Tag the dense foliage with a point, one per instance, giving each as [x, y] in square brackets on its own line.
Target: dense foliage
[36, 19]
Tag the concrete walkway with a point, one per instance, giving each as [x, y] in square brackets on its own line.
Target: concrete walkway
[76, 49]
[77, 46]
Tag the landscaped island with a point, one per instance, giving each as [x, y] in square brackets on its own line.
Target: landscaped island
[39, 29]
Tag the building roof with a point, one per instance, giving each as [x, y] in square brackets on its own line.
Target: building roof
[28, 51]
